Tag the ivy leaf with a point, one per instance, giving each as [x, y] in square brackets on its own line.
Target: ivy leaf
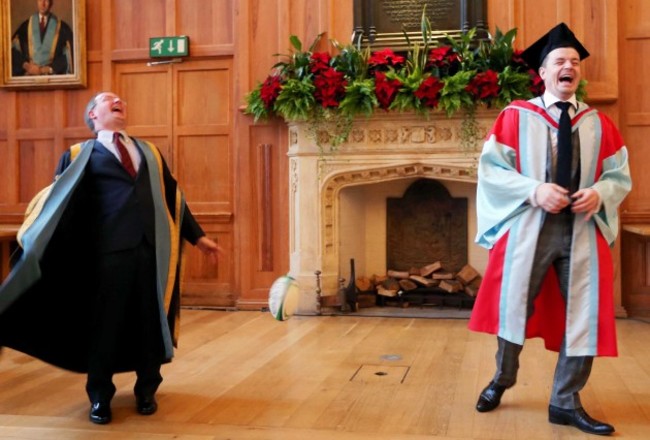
[359, 98]
[296, 100]
[405, 100]
[512, 85]
[255, 106]
[454, 96]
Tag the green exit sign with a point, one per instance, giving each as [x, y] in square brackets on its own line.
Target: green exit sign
[169, 46]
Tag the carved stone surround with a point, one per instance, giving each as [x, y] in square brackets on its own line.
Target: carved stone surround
[386, 147]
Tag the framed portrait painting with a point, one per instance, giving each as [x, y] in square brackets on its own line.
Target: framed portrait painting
[43, 44]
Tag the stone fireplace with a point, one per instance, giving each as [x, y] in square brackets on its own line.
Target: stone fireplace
[338, 200]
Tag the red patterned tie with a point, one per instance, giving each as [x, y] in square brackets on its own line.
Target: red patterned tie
[124, 155]
[42, 25]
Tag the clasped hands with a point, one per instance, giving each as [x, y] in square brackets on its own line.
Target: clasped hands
[35, 69]
[554, 198]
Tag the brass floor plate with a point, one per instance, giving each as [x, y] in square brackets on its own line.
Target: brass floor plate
[380, 373]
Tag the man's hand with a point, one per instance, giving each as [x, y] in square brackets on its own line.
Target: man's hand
[31, 68]
[552, 198]
[209, 248]
[586, 200]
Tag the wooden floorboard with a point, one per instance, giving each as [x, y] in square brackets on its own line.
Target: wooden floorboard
[245, 376]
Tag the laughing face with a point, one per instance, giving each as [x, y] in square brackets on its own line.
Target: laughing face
[109, 112]
[561, 72]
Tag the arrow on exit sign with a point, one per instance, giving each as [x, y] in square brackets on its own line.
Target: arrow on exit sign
[169, 46]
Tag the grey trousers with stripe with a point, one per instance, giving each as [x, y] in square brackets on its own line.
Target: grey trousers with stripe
[571, 372]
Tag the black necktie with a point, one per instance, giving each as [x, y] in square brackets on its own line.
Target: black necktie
[564, 147]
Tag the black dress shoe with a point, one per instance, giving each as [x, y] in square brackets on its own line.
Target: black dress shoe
[100, 413]
[580, 419]
[146, 405]
[490, 397]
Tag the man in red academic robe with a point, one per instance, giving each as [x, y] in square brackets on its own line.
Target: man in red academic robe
[548, 214]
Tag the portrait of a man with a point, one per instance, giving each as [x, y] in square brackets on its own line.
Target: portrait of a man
[42, 44]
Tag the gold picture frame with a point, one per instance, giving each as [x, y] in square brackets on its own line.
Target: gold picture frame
[52, 58]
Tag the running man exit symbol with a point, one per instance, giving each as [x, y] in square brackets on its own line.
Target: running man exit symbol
[169, 46]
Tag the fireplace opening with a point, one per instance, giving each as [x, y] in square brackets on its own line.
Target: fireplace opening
[424, 226]
[404, 226]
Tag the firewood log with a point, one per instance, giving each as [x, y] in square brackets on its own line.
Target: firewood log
[451, 286]
[430, 268]
[467, 274]
[407, 285]
[364, 284]
[399, 274]
[426, 282]
[472, 288]
[442, 275]
[381, 290]
[390, 284]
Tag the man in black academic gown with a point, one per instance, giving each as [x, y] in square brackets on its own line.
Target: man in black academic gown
[96, 288]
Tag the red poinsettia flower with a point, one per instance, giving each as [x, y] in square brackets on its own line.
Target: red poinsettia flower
[484, 85]
[270, 90]
[319, 61]
[385, 89]
[516, 57]
[537, 87]
[442, 56]
[330, 87]
[385, 57]
[429, 91]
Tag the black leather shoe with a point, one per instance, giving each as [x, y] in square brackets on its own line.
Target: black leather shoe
[100, 413]
[146, 405]
[490, 397]
[580, 419]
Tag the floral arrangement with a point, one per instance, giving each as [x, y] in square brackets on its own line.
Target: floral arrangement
[452, 75]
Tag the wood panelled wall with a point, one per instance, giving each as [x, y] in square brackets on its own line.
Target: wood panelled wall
[634, 68]
[234, 172]
[187, 109]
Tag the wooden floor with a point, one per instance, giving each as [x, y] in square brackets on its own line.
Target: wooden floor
[243, 375]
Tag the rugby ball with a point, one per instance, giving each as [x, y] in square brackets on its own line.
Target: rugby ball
[283, 297]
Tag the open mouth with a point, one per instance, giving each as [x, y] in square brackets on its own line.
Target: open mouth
[116, 108]
[566, 79]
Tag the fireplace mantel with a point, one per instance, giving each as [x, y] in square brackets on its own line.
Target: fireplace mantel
[388, 146]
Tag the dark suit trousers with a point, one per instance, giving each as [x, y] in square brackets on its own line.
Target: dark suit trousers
[126, 324]
[571, 372]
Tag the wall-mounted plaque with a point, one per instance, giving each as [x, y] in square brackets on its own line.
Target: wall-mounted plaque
[387, 23]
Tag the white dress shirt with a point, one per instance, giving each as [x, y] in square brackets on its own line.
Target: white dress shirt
[549, 101]
[106, 139]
